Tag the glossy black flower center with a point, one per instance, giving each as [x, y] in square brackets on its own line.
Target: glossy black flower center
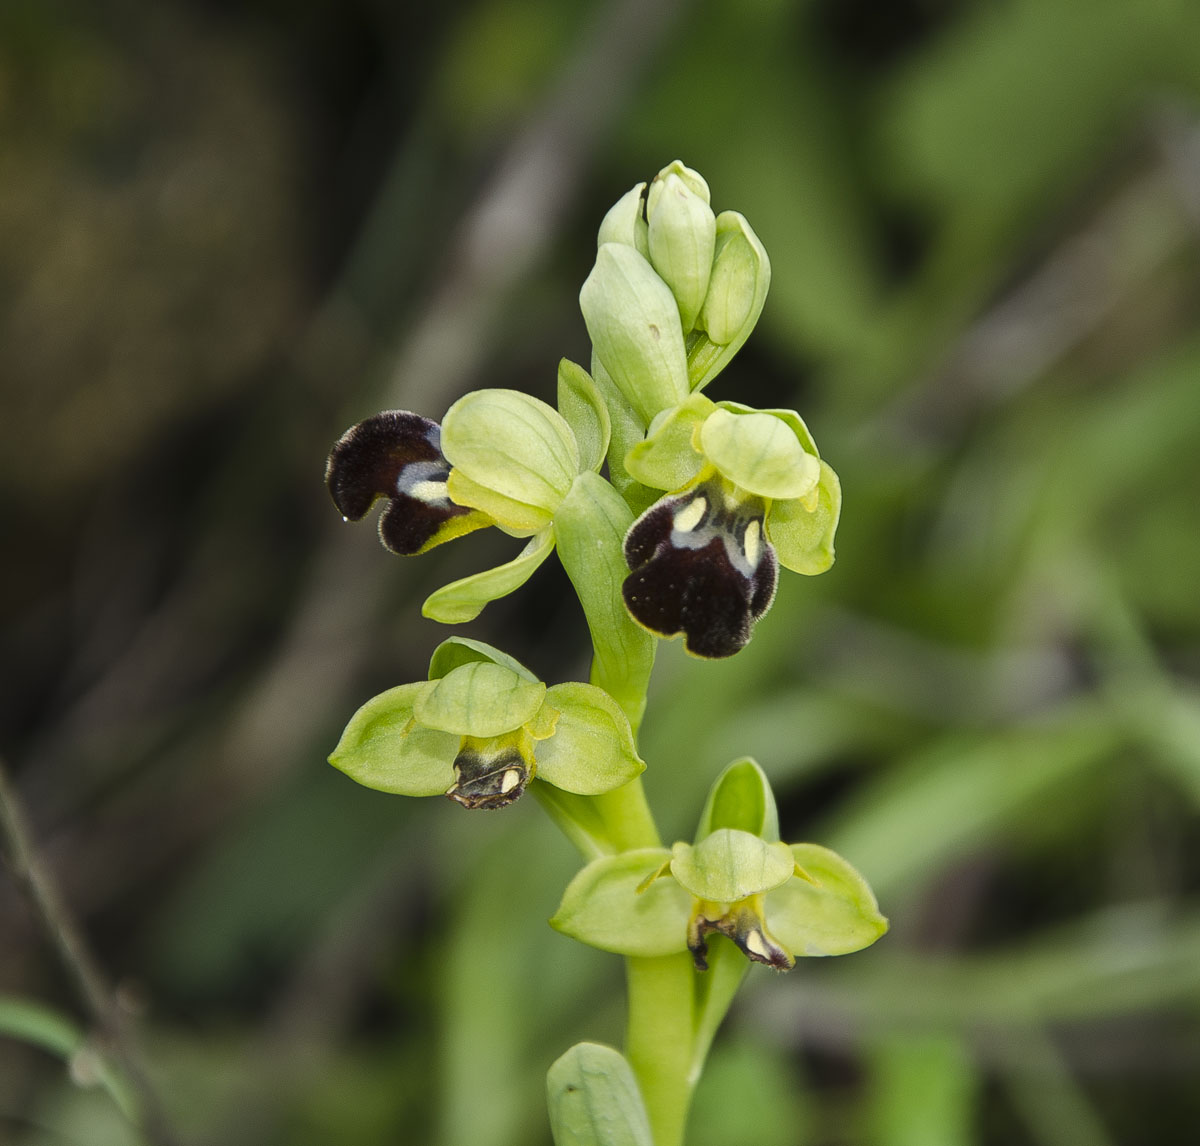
[488, 776]
[398, 456]
[743, 923]
[701, 565]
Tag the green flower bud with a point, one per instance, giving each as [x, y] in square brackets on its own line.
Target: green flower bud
[683, 234]
[594, 1100]
[634, 325]
[625, 223]
[737, 290]
[692, 179]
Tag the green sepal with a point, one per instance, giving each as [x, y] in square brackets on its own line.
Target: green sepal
[668, 458]
[729, 865]
[803, 535]
[594, 1100]
[463, 600]
[479, 699]
[741, 798]
[456, 651]
[591, 749]
[760, 453]
[834, 914]
[590, 528]
[603, 907]
[625, 223]
[580, 403]
[385, 749]
[633, 321]
[706, 356]
[683, 233]
[628, 427]
[513, 444]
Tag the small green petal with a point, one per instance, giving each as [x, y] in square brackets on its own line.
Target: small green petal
[803, 538]
[479, 699]
[741, 798]
[667, 458]
[603, 908]
[513, 444]
[592, 749]
[760, 453]
[683, 233]
[463, 600]
[633, 322]
[708, 356]
[382, 747]
[455, 651]
[834, 915]
[593, 1099]
[580, 403]
[625, 223]
[729, 865]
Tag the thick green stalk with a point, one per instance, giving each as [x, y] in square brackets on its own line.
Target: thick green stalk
[658, 1040]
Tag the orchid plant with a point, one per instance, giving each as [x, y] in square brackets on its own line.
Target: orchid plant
[703, 501]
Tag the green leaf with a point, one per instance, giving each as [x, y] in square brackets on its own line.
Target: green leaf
[590, 526]
[464, 600]
[512, 444]
[729, 865]
[39, 1026]
[603, 907]
[592, 748]
[760, 453]
[456, 651]
[668, 457]
[833, 916]
[741, 798]
[580, 403]
[803, 537]
[633, 322]
[593, 1099]
[383, 748]
[739, 254]
[479, 699]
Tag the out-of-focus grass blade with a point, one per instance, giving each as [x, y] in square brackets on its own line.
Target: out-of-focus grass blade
[923, 1090]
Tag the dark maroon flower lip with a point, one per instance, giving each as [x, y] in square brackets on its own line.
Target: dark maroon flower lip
[701, 565]
[398, 456]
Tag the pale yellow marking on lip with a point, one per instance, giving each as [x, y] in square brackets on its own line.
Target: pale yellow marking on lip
[430, 491]
[754, 941]
[511, 779]
[753, 542]
[689, 517]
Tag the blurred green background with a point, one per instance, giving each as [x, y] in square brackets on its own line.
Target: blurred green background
[228, 231]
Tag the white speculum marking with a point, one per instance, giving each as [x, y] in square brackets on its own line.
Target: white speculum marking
[690, 515]
[430, 491]
[752, 542]
[510, 780]
[754, 941]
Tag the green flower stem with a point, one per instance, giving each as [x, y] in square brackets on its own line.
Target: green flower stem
[658, 1040]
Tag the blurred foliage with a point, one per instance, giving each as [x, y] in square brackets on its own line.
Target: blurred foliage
[220, 226]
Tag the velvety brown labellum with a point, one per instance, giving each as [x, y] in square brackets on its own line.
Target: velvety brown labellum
[744, 926]
[489, 781]
[702, 566]
[398, 456]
